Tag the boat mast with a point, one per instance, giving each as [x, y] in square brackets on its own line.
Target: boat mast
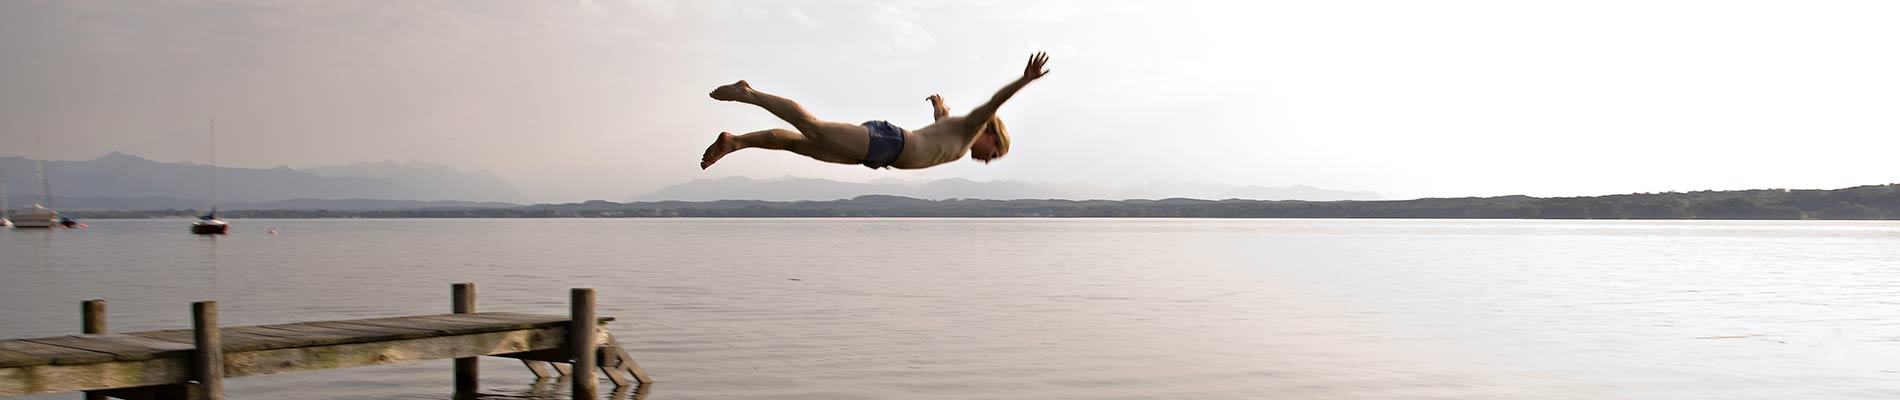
[214, 166]
[39, 170]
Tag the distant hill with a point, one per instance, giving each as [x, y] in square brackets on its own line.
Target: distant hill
[782, 189]
[809, 189]
[83, 204]
[430, 181]
[129, 178]
[1865, 202]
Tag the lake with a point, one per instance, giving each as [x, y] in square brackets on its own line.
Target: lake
[1045, 308]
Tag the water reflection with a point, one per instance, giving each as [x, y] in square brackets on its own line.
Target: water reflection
[1073, 309]
[561, 387]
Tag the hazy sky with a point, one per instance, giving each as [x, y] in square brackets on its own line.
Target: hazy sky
[606, 99]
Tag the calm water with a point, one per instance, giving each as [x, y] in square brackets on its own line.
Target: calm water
[1034, 309]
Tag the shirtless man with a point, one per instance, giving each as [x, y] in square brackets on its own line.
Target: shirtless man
[876, 144]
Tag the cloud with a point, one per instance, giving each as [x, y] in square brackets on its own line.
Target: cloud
[799, 17]
[904, 27]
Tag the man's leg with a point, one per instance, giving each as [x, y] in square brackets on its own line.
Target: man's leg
[775, 139]
[784, 108]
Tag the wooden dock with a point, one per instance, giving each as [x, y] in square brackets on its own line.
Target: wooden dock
[192, 363]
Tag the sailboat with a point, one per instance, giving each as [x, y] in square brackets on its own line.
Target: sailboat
[209, 224]
[39, 216]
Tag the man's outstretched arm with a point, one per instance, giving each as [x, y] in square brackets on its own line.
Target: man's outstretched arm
[1031, 73]
[937, 108]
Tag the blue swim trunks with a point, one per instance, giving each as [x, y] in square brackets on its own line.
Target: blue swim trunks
[887, 141]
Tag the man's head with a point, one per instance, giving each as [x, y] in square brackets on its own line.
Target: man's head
[992, 142]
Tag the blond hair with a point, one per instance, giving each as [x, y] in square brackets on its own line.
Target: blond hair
[1002, 136]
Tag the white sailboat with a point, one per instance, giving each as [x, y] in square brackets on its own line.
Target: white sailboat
[39, 216]
[36, 218]
[209, 224]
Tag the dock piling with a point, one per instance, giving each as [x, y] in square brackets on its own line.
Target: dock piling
[581, 344]
[207, 362]
[92, 318]
[468, 369]
[92, 314]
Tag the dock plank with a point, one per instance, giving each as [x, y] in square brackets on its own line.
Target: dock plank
[9, 358]
[57, 355]
[234, 338]
[394, 332]
[509, 314]
[441, 325]
[313, 335]
[120, 346]
[385, 352]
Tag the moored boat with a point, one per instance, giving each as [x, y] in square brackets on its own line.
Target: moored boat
[39, 216]
[36, 218]
[209, 224]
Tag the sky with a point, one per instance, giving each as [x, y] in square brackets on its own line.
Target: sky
[606, 99]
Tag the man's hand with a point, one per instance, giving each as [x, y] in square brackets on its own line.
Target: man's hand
[1034, 71]
[937, 110]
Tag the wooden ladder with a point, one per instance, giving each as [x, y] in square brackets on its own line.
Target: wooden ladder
[611, 358]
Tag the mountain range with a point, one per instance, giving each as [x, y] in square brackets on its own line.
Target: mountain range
[810, 189]
[119, 181]
[1875, 202]
[127, 177]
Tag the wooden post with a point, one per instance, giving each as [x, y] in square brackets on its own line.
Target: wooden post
[467, 370]
[92, 314]
[580, 342]
[207, 363]
[92, 318]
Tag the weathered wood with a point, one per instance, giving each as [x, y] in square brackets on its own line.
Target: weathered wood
[51, 354]
[234, 339]
[121, 347]
[317, 328]
[626, 361]
[449, 324]
[462, 298]
[92, 316]
[388, 333]
[266, 337]
[467, 369]
[609, 367]
[581, 344]
[539, 368]
[295, 338]
[207, 361]
[52, 378]
[259, 338]
[192, 363]
[376, 353]
[511, 319]
[17, 359]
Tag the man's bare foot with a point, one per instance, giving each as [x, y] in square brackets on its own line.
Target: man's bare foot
[725, 144]
[734, 92]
